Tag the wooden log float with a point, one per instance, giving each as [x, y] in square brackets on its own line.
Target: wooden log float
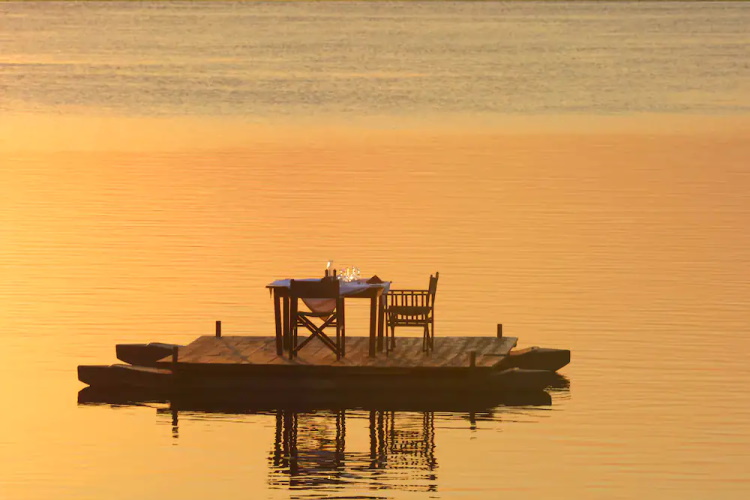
[125, 376]
[520, 379]
[143, 354]
[537, 358]
[141, 377]
[149, 354]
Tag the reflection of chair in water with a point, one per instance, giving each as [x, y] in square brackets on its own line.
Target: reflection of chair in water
[402, 448]
[413, 308]
[325, 304]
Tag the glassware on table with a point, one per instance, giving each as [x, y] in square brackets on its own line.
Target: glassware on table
[329, 271]
[349, 274]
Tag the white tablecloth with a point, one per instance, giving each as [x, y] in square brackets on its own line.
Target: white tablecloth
[346, 288]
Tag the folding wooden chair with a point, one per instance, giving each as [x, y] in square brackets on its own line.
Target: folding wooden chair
[323, 299]
[412, 308]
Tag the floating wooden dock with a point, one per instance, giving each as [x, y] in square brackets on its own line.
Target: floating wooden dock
[448, 352]
[248, 365]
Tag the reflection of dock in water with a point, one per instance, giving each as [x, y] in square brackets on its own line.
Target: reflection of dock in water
[310, 450]
[364, 440]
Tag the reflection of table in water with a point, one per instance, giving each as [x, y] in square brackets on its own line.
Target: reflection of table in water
[311, 447]
[317, 456]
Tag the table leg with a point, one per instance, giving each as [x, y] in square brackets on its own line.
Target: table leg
[373, 324]
[343, 327]
[381, 321]
[286, 329]
[277, 318]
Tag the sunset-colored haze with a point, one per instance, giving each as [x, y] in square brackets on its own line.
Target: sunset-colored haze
[578, 172]
[601, 242]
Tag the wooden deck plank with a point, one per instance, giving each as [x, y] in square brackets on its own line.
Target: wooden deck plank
[252, 349]
[408, 352]
[448, 352]
[315, 352]
[452, 348]
[458, 348]
[263, 355]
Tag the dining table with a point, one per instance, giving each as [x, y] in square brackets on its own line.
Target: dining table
[372, 288]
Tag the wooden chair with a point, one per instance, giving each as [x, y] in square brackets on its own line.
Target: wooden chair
[412, 308]
[325, 304]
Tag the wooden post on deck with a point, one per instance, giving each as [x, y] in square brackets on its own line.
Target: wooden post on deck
[499, 330]
[175, 355]
[472, 359]
[218, 328]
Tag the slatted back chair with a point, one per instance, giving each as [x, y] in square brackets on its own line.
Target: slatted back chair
[323, 299]
[412, 308]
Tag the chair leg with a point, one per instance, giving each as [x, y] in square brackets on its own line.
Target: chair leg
[429, 336]
[338, 337]
[432, 333]
[342, 321]
[387, 339]
[293, 339]
[292, 321]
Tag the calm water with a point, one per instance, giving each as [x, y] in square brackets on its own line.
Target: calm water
[576, 171]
